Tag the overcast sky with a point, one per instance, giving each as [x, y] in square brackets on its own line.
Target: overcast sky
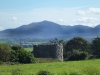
[14, 13]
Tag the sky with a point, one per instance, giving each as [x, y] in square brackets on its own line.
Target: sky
[15, 13]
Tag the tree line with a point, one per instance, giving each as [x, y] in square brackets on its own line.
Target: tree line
[76, 48]
[79, 48]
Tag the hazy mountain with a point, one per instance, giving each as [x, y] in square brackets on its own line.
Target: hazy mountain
[47, 29]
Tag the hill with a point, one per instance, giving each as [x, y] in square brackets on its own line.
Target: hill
[47, 29]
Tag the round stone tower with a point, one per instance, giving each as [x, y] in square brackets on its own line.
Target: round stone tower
[48, 51]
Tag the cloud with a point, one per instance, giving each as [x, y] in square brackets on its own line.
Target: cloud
[80, 12]
[61, 20]
[20, 23]
[1, 29]
[87, 20]
[91, 10]
[94, 10]
[63, 16]
[14, 18]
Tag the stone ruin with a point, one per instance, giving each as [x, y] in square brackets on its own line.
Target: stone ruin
[48, 51]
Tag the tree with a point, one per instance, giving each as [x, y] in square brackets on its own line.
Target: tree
[95, 46]
[5, 51]
[77, 44]
[56, 41]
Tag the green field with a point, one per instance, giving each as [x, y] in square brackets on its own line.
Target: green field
[28, 49]
[87, 67]
[36, 42]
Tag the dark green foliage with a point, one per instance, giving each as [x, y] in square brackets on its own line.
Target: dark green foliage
[14, 56]
[17, 47]
[44, 73]
[78, 56]
[21, 56]
[5, 52]
[93, 57]
[95, 46]
[56, 41]
[25, 57]
[77, 44]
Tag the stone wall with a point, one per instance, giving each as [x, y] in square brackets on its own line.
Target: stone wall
[49, 51]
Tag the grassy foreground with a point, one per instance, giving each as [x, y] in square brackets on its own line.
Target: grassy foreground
[87, 67]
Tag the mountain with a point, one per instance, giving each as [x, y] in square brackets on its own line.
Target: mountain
[40, 29]
[47, 29]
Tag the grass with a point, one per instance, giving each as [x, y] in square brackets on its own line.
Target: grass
[1, 42]
[46, 60]
[36, 42]
[87, 67]
[29, 49]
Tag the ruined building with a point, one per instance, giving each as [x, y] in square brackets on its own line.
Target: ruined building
[48, 51]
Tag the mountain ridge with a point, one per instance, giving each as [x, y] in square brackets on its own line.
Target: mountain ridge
[48, 29]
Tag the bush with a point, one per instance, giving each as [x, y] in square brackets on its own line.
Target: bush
[18, 54]
[94, 57]
[5, 52]
[14, 56]
[25, 57]
[17, 47]
[22, 56]
[44, 73]
[78, 56]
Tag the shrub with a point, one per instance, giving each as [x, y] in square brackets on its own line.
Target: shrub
[25, 57]
[44, 73]
[17, 47]
[5, 52]
[22, 56]
[94, 57]
[14, 56]
[78, 56]
[18, 54]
